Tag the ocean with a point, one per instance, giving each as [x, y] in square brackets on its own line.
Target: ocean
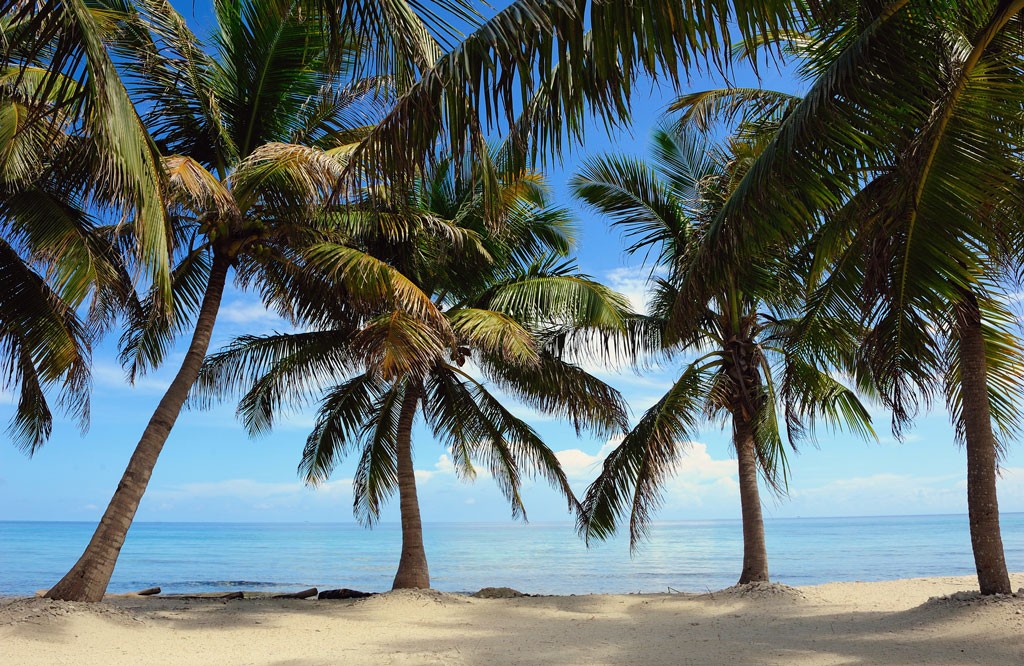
[537, 558]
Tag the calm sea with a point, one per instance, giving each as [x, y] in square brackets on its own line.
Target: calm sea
[535, 558]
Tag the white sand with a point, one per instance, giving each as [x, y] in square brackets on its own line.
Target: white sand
[896, 622]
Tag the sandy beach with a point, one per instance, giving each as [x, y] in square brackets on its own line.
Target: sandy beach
[916, 621]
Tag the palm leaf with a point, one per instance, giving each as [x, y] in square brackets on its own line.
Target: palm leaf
[377, 473]
[341, 419]
[634, 472]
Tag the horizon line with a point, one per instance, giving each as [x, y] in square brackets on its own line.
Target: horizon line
[520, 523]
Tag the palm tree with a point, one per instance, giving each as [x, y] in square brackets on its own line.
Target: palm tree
[910, 181]
[753, 356]
[254, 136]
[507, 303]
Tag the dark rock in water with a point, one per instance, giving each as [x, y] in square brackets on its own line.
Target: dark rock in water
[498, 593]
[344, 593]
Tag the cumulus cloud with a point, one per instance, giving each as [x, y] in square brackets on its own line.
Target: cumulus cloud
[248, 490]
[111, 376]
[699, 480]
[250, 313]
[235, 488]
[580, 465]
[703, 486]
[443, 467]
[631, 282]
[1011, 488]
[881, 494]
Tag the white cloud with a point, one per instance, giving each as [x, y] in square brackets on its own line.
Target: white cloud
[702, 486]
[529, 415]
[249, 499]
[631, 282]
[1011, 488]
[698, 478]
[579, 465]
[881, 494]
[110, 376]
[443, 467]
[252, 314]
[234, 488]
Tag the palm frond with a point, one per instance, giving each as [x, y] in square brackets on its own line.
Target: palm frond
[1004, 358]
[634, 473]
[151, 327]
[370, 280]
[340, 427]
[558, 388]
[43, 344]
[464, 413]
[275, 372]
[546, 294]
[496, 334]
[377, 473]
[396, 345]
[705, 109]
[483, 82]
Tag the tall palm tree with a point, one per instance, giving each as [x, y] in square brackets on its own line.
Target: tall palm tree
[753, 357]
[507, 302]
[255, 135]
[910, 181]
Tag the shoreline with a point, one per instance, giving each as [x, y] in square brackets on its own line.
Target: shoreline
[906, 621]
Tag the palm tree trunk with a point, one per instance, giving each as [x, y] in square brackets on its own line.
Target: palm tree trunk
[755, 553]
[88, 579]
[412, 567]
[982, 504]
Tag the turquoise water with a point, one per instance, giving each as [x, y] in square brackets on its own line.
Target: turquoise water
[535, 558]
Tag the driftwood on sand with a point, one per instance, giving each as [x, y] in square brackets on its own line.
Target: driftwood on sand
[344, 593]
[341, 593]
[304, 594]
[219, 597]
[148, 592]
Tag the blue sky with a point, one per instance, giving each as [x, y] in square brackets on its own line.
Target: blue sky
[211, 471]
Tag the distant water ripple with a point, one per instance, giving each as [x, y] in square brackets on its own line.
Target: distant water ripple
[536, 558]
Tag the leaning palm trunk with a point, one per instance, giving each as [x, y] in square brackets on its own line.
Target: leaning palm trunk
[412, 567]
[755, 554]
[982, 504]
[88, 579]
